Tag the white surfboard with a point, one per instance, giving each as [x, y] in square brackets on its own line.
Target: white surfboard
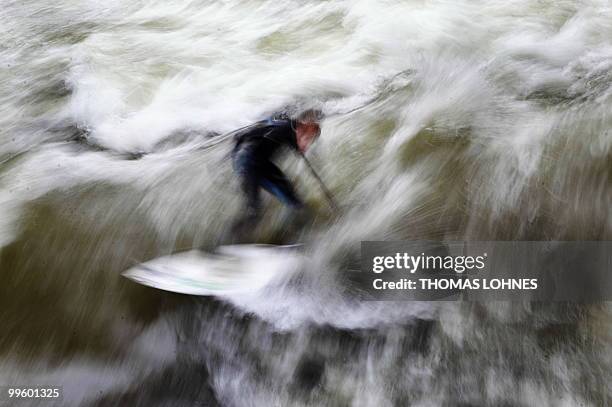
[230, 270]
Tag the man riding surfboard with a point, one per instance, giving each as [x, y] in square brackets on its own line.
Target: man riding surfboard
[255, 149]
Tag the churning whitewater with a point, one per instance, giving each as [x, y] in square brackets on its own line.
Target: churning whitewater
[457, 120]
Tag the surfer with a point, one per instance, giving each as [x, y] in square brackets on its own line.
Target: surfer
[254, 151]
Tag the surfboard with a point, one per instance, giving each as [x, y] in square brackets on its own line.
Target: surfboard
[229, 270]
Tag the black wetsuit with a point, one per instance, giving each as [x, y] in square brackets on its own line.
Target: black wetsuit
[256, 147]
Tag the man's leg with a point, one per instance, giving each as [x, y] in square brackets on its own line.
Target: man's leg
[274, 181]
[294, 219]
[249, 184]
[250, 216]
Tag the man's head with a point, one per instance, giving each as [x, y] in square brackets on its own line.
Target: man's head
[307, 128]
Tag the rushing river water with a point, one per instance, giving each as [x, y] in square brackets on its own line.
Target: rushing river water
[486, 120]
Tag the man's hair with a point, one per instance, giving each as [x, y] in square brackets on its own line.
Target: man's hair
[310, 115]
